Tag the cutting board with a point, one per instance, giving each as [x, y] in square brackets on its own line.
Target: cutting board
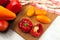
[21, 15]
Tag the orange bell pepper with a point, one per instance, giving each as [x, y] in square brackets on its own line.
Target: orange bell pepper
[40, 12]
[6, 14]
[43, 19]
[30, 11]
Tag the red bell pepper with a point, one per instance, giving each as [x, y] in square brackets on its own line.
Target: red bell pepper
[14, 6]
[25, 25]
[4, 2]
[37, 30]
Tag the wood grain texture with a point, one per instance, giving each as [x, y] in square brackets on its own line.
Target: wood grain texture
[21, 15]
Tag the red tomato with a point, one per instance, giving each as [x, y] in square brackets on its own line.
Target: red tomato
[3, 25]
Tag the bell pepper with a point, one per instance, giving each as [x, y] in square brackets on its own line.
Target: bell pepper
[3, 25]
[37, 30]
[25, 25]
[6, 14]
[14, 6]
[43, 19]
[40, 12]
[30, 11]
[4, 2]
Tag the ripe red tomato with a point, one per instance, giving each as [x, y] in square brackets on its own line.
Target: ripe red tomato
[3, 25]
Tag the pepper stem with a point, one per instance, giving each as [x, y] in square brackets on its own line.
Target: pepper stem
[25, 24]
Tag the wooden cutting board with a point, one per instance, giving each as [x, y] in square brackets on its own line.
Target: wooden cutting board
[21, 15]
